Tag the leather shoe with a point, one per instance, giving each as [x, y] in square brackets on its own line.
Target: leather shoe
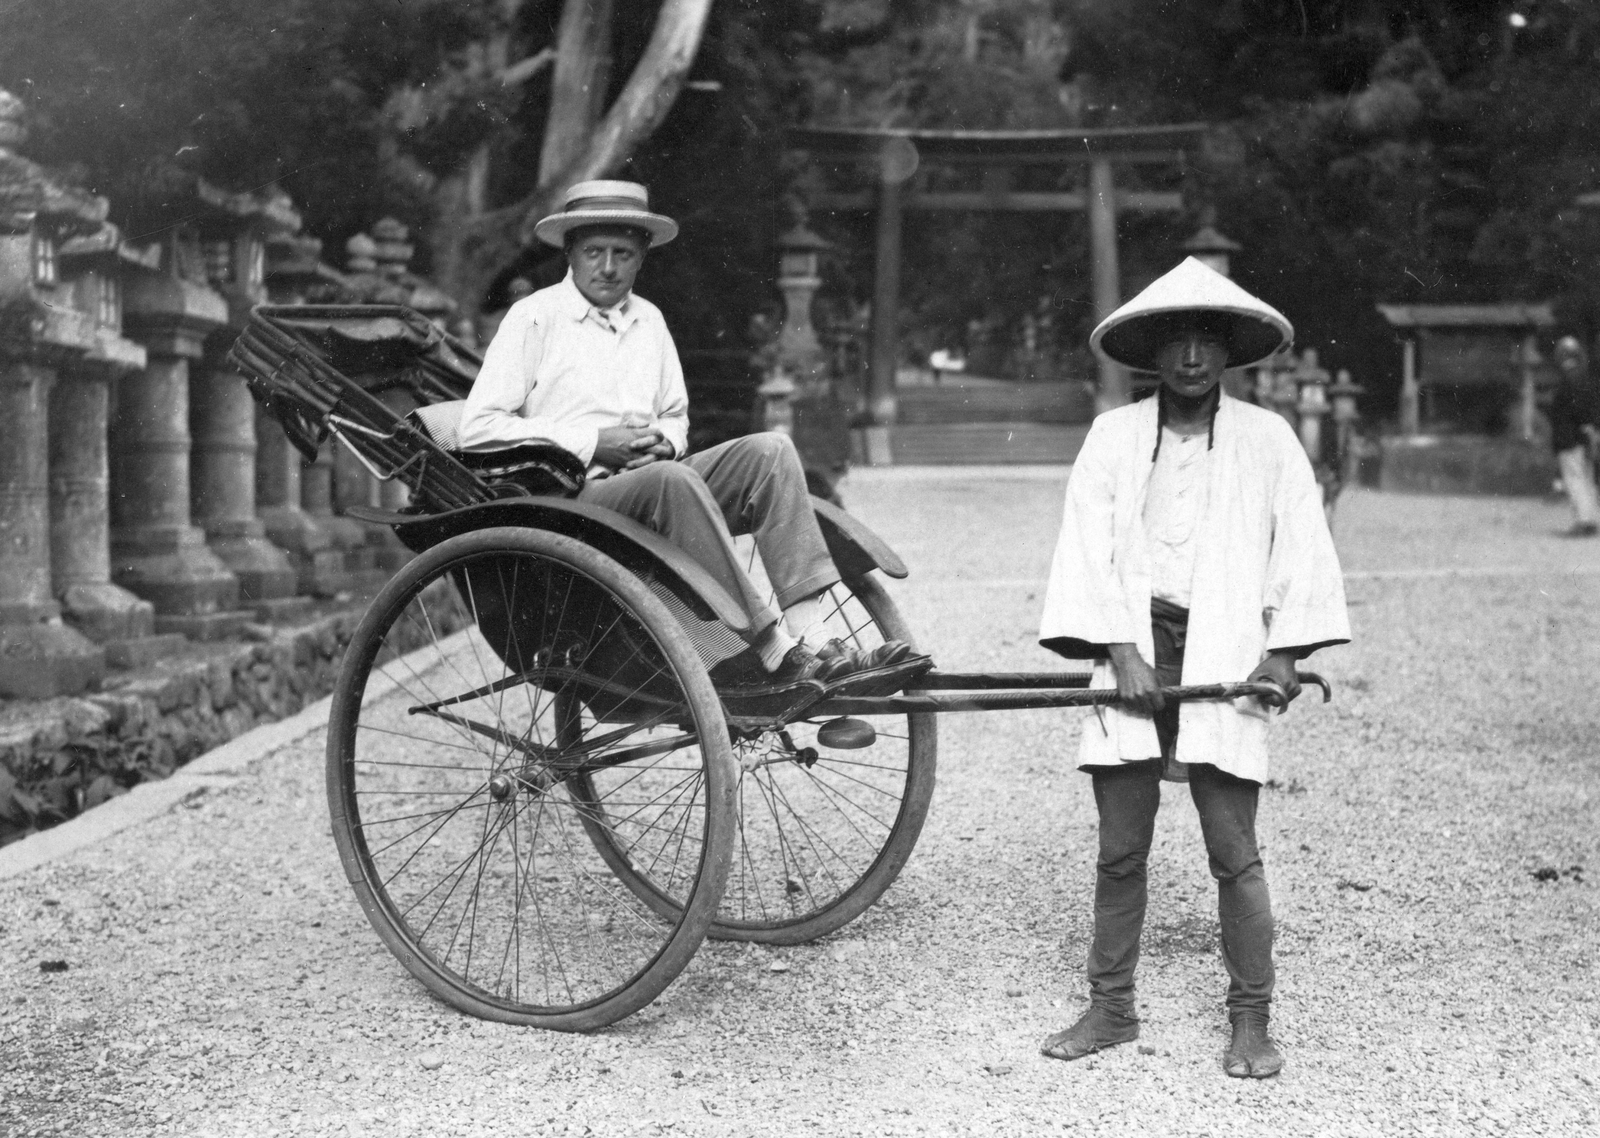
[840, 659]
[1251, 1054]
[1097, 1029]
[878, 671]
[745, 670]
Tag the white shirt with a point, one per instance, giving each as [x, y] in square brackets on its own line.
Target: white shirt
[559, 369]
[1173, 507]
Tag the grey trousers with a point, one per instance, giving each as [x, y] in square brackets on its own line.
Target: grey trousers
[753, 485]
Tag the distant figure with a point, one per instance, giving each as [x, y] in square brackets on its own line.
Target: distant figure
[1193, 550]
[943, 360]
[1575, 433]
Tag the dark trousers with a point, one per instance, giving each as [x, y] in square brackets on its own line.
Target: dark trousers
[753, 485]
[1127, 798]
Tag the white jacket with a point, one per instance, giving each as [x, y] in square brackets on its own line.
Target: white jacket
[1265, 577]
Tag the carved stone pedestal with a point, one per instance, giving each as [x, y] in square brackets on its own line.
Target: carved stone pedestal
[318, 566]
[349, 537]
[223, 420]
[40, 656]
[80, 509]
[354, 485]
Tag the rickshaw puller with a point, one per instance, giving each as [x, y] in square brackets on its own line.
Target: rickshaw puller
[1193, 549]
[590, 365]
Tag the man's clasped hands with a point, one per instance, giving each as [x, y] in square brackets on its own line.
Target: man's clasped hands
[631, 446]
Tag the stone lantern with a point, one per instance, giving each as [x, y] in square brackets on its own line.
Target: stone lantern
[799, 277]
[1345, 412]
[96, 265]
[1312, 379]
[384, 255]
[392, 252]
[156, 550]
[40, 331]
[234, 230]
[777, 392]
[1275, 386]
[1342, 397]
[295, 274]
[1210, 247]
[319, 479]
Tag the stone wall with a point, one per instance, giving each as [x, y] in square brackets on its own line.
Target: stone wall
[59, 757]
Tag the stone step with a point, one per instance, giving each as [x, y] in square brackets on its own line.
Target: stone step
[995, 402]
[971, 444]
[283, 610]
[141, 651]
[207, 627]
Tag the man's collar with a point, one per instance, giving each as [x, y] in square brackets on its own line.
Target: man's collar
[578, 306]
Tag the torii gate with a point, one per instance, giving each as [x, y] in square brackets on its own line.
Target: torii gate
[899, 154]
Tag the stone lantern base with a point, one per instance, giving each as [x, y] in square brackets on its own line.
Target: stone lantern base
[44, 658]
[104, 612]
[318, 565]
[263, 569]
[193, 591]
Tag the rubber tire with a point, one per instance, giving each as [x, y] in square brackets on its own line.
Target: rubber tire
[721, 780]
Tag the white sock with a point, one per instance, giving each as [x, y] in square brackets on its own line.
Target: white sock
[808, 618]
[773, 646]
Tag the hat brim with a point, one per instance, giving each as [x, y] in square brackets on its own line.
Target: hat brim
[553, 230]
[1136, 340]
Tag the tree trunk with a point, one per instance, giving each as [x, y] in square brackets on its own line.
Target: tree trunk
[459, 200]
[462, 197]
[578, 89]
[484, 244]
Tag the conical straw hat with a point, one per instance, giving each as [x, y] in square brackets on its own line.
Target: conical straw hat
[1134, 334]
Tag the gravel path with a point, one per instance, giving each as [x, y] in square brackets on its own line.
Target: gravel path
[216, 978]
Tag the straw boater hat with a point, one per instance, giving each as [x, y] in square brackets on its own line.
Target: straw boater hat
[606, 203]
[1134, 334]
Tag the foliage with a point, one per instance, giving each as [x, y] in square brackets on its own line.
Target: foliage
[80, 777]
[137, 96]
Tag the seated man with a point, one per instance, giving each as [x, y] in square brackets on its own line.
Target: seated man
[590, 366]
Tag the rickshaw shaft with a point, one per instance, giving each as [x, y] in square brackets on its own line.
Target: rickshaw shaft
[1029, 700]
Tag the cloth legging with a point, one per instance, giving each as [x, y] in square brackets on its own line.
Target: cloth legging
[1127, 798]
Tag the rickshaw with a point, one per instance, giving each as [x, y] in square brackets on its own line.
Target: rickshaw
[542, 802]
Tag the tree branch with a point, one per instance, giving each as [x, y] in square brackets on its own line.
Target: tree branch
[483, 244]
[526, 69]
[644, 102]
[578, 88]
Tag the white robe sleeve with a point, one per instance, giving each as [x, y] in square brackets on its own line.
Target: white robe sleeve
[1084, 607]
[1304, 595]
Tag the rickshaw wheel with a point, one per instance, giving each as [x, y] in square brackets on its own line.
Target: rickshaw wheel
[823, 832]
[450, 778]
